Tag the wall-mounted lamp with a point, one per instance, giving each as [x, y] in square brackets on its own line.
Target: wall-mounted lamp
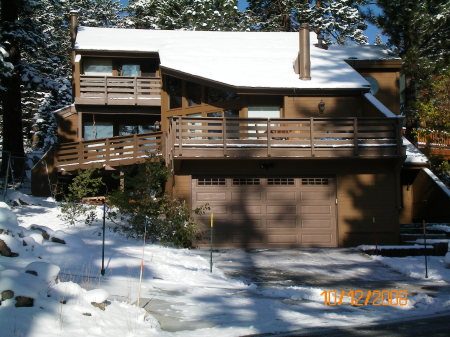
[321, 106]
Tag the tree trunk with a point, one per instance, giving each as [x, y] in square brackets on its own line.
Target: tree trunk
[11, 96]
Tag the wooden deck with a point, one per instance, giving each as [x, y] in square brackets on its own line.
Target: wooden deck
[437, 144]
[116, 151]
[203, 138]
[119, 90]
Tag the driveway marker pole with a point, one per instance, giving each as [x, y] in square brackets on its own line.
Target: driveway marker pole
[211, 244]
[103, 242]
[142, 263]
[425, 251]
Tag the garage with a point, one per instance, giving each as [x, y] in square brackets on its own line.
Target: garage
[263, 212]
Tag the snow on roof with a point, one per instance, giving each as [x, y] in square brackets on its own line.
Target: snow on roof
[362, 52]
[241, 59]
[413, 155]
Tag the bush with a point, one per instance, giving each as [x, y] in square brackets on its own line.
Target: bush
[85, 184]
[143, 202]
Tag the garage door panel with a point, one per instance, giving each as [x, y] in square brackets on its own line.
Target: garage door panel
[325, 223]
[281, 195]
[274, 213]
[210, 196]
[281, 223]
[281, 209]
[282, 239]
[246, 209]
[246, 195]
[316, 238]
[316, 210]
[218, 209]
[315, 195]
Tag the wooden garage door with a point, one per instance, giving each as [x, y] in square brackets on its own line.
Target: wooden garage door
[252, 212]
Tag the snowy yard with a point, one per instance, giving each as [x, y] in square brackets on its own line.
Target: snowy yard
[247, 292]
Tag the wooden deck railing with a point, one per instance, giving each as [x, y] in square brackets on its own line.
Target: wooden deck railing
[118, 90]
[312, 137]
[436, 143]
[116, 151]
[434, 139]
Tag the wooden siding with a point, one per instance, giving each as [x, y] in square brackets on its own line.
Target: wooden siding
[295, 138]
[67, 127]
[308, 106]
[388, 87]
[119, 90]
[368, 209]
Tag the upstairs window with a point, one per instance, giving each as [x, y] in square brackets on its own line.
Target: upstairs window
[214, 95]
[98, 67]
[131, 70]
[173, 87]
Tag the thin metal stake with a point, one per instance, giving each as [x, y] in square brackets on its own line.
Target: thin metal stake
[103, 243]
[425, 252]
[211, 244]
[142, 263]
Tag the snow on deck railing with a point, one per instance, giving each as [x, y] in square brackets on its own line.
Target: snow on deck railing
[357, 136]
[108, 151]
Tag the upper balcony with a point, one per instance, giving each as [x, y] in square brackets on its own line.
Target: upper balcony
[212, 138]
[119, 90]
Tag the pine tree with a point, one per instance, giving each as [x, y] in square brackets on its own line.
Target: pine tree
[53, 20]
[338, 21]
[419, 31]
[186, 14]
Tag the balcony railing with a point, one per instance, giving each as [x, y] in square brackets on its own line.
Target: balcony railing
[115, 90]
[115, 151]
[284, 138]
[437, 143]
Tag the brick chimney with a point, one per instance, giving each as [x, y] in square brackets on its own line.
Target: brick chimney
[304, 57]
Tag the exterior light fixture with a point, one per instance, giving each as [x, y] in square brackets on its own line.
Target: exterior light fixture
[321, 106]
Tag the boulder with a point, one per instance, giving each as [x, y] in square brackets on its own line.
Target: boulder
[5, 250]
[7, 294]
[23, 301]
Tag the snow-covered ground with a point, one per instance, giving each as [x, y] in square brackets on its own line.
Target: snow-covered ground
[247, 292]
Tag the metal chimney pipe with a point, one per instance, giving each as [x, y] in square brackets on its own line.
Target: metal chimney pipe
[304, 57]
[73, 26]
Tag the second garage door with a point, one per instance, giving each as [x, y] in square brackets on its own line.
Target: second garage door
[277, 212]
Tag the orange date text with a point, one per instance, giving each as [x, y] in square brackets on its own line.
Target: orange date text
[361, 297]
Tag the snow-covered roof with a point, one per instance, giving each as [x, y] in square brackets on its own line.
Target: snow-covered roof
[240, 59]
[413, 155]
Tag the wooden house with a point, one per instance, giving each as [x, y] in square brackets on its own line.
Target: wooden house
[291, 143]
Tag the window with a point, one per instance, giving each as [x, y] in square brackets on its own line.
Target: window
[97, 67]
[246, 181]
[263, 112]
[210, 181]
[193, 94]
[125, 130]
[214, 95]
[281, 181]
[131, 70]
[173, 86]
[315, 181]
[97, 130]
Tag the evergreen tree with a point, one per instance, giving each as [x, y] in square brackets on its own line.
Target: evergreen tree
[52, 18]
[338, 21]
[186, 14]
[419, 31]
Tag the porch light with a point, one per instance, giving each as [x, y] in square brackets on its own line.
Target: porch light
[321, 106]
